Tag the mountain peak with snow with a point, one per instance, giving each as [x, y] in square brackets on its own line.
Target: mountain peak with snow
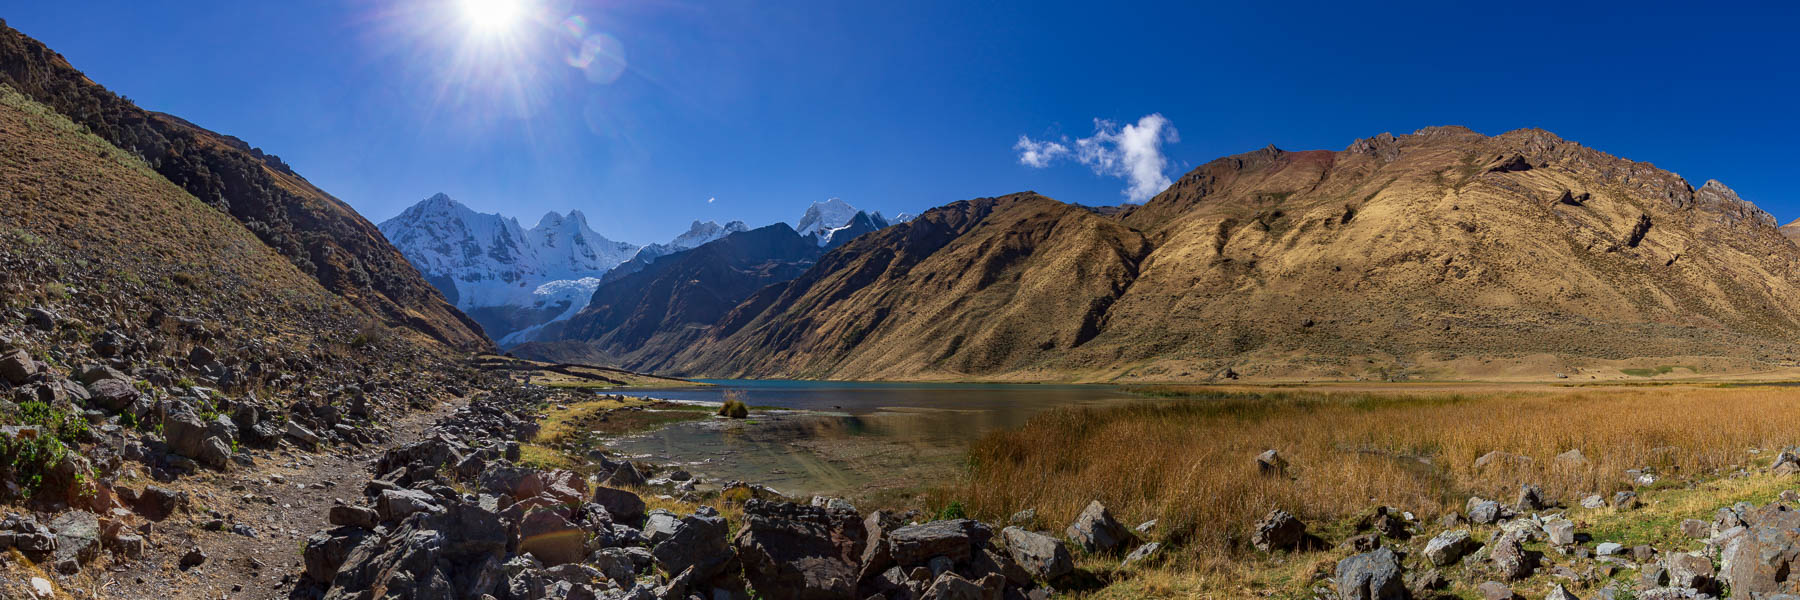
[486, 263]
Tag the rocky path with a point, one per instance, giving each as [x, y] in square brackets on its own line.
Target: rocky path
[251, 523]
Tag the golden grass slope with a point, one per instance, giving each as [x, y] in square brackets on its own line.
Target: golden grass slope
[980, 286]
[87, 225]
[1189, 462]
[1443, 254]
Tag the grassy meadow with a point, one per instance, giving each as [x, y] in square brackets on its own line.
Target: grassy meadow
[1187, 459]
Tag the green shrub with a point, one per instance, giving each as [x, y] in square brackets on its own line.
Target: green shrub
[735, 409]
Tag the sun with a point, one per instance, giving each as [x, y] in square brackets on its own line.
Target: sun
[492, 16]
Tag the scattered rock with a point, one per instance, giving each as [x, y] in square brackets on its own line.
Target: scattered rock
[1371, 576]
[1448, 547]
[1044, 556]
[1278, 530]
[1271, 463]
[1095, 530]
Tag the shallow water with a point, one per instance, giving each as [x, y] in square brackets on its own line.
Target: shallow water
[847, 438]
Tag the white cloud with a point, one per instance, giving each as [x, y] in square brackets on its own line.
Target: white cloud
[711, 200]
[1039, 154]
[1133, 153]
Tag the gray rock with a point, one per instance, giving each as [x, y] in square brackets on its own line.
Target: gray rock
[1278, 530]
[1560, 532]
[394, 505]
[326, 550]
[1690, 570]
[794, 551]
[1625, 500]
[215, 453]
[1510, 559]
[1608, 549]
[699, 543]
[1531, 499]
[1558, 592]
[183, 430]
[1594, 501]
[1095, 530]
[77, 536]
[1271, 463]
[913, 545]
[1371, 576]
[950, 586]
[625, 507]
[16, 367]
[1494, 590]
[1142, 553]
[1043, 556]
[303, 435]
[112, 394]
[552, 539]
[1448, 547]
[354, 516]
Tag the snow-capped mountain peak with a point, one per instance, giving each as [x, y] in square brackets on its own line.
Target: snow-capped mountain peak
[702, 232]
[824, 217]
[493, 269]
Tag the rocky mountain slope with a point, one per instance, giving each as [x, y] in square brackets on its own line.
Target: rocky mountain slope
[674, 298]
[504, 276]
[1444, 253]
[322, 236]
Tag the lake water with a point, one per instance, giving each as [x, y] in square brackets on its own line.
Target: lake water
[851, 439]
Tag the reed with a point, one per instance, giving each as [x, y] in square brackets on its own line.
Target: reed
[1189, 460]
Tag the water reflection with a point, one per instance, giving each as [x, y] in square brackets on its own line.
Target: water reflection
[847, 438]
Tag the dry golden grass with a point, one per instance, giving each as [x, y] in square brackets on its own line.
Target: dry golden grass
[1190, 462]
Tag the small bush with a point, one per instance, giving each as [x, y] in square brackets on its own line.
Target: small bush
[735, 409]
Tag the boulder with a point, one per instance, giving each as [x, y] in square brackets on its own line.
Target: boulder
[1494, 590]
[158, 503]
[950, 586]
[1531, 499]
[1142, 553]
[16, 367]
[215, 453]
[326, 550]
[1690, 570]
[955, 539]
[1558, 592]
[805, 552]
[626, 475]
[1095, 530]
[1448, 547]
[1278, 530]
[1760, 557]
[1560, 532]
[1271, 463]
[1371, 576]
[354, 516]
[551, 538]
[183, 430]
[1043, 556]
[1501, 460]
[1625, 500]
[77, 536]
[625, 507]
[300, 433]
[1570, 460]
[699, 543]
[394, 505]
[1510, 559]
[112, 394]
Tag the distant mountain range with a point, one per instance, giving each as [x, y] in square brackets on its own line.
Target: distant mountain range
[515, 281]
[1440, 254]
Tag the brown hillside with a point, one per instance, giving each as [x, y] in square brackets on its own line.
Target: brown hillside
[1444, 253]
[319, 234]
[981, 286]
[90, 234]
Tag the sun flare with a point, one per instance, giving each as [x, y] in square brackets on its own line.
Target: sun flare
[492, 16]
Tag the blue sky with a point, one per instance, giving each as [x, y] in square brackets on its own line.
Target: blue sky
[900, 106]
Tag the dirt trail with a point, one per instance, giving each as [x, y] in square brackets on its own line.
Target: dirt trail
[283, 499]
